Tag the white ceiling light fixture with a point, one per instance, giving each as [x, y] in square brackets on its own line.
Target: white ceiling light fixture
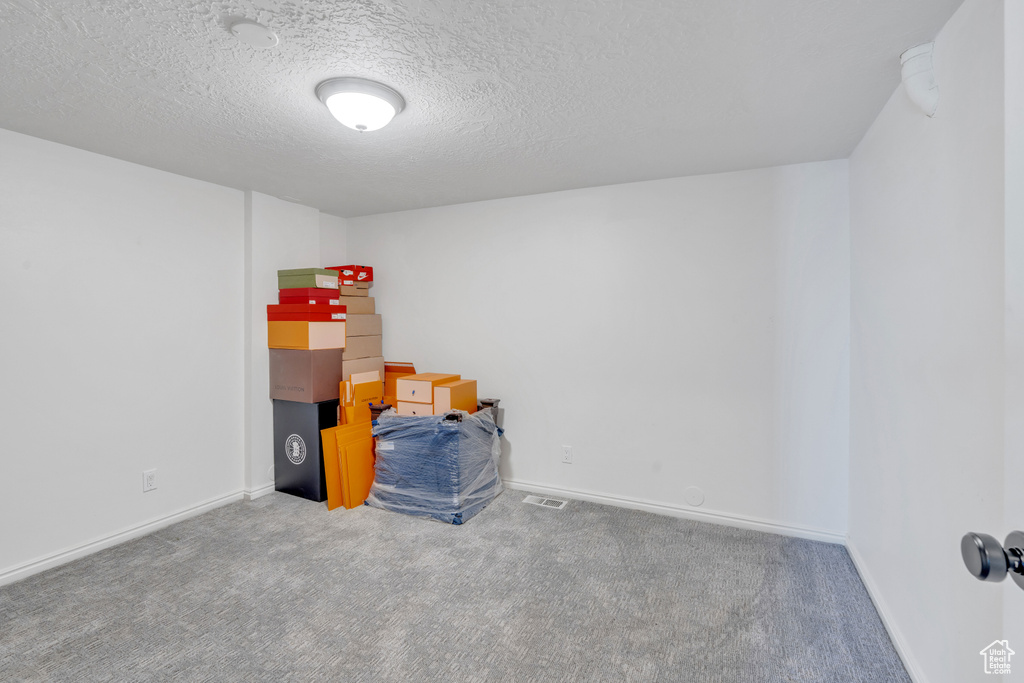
[360, 104]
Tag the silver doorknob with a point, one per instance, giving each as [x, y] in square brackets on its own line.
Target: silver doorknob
[987, 560]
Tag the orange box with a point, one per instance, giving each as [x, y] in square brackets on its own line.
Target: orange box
[295, 334]
[420, 388]
[392, 371]
[458, 395]
[348, 464]
[414, 409]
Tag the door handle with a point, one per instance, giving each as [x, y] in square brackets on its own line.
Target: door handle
[987, 560]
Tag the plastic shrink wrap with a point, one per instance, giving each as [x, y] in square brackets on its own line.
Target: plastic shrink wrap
[435, 467]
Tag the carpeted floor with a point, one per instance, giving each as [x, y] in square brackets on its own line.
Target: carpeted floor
[279, 589]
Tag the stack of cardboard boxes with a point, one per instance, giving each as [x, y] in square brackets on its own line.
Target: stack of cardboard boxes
[306, 333]
[326, 370]
[363, 348]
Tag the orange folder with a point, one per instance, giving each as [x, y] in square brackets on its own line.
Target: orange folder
[359, 392]
[348, 464]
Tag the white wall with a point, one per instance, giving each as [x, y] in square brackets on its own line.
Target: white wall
[279, 235]
[675, 333]
[333, 240]
[121, 290]
[927, 400]
[135, 334]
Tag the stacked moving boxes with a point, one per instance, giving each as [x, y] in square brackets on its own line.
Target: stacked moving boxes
[364, 349]
[306, 334]
[327, 369]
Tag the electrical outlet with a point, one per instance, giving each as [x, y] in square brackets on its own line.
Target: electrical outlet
[567, 454]
[148, 480]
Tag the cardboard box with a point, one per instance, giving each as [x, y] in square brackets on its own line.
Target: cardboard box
[308, 312]
[361, 365]
[392, 371]
[308, 317]
[305, 281]
[353, 272]
[361, 325]
[345, 289]
[362, 305]
[413, 409]
[305, 376]
[344, 272]
[307, 295]
[292, 272]
[308, 300]
[298, 452]
[458, 395]
[292, 334]
[420, 388]
[348, 464]
[363, 347]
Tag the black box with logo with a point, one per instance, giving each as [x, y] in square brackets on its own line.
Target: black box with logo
[298, 453]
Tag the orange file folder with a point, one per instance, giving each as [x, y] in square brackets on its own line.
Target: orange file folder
[348, 464]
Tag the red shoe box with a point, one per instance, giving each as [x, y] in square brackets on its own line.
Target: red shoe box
[353, 273]
[307, 295]
[306, 312]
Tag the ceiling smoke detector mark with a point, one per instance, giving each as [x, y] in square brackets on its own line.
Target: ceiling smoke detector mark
[251, 33]
[546, 502]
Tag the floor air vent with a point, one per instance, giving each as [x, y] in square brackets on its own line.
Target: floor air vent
[546, 502]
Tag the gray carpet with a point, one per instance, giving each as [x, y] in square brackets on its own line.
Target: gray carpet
[279, 589]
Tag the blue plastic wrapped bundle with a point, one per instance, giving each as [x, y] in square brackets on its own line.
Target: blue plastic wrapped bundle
[435, 467]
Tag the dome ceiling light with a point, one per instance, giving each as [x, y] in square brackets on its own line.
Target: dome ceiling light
[360, 104]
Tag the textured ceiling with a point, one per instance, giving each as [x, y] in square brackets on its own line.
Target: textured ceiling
[505, 97]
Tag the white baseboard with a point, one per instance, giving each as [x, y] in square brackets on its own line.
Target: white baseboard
[258, 492]
[27, 569]
[684, 512]
[898, 641]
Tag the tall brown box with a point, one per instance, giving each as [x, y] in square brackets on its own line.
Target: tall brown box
[305, 376]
